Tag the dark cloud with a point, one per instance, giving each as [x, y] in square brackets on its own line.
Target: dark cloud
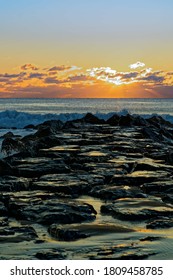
[50, 80]
[36, 76]
[152, 78]
[60, 68]
[79, 78]
[29, 66]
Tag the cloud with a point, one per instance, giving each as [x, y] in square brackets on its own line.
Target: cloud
[36, 76]
[87, 83]
[64, 68]
[79, 78]
[145, 76]
[136, 65]
[29, 67]
[50, 80]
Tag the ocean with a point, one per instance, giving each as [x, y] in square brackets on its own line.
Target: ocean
[17, 113]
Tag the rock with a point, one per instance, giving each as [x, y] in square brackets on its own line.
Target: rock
[17, 234]
[115, 192]
[51, 254]
[90, 118]
[10, 145]
[150, 238]
[13, 184]
[50, 212]
[36, 167]
[3, 209]
[138, 178]
[49, 127]
[114, 120]
[158, 187]
[30, 126]
[84, 230]
[62, 183]
[140, 209]
[8, 135]
[160, 223]
[66, 234]
[6, 168]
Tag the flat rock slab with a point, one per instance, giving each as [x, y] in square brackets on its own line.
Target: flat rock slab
[33, 167]
[140, 209]
[50, 211]
[138, 178]
[75, 232]
[17, 234]
[158, 187]
[13, 184]
[108, 192]
[62, 183]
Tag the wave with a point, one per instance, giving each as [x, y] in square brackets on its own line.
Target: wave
[16, 119]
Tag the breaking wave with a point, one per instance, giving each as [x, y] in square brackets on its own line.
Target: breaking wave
[16, 119]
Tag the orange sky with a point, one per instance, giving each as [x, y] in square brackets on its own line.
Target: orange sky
[90, 49]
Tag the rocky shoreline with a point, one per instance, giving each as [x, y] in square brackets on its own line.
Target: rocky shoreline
[52, 179]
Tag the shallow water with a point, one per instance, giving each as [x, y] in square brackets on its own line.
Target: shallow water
[98, 245]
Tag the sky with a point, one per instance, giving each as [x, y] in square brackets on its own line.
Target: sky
[86, 48]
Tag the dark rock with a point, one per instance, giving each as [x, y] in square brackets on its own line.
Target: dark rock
[3, 209]
[62, 183]
[90, 118]
[13, 184]
[10, 145]
[49, 127]
[36, 167]
[138, 178]
[150, 238]
[51, 255]
[30, 126]
[160, 223]
[114, 120]
[137, 209]
[50, 212]
[158, 187]
[126, 120]
[66, 234]
[116, 192]
[17, 234]
[8, 135]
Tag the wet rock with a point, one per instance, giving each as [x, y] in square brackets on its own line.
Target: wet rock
[90, 118]
[138, 178]
[17, 234]
[7, 169]
[140, 209]
[36, 167]
[115, 192]
[160, 223]
[114, 120]
[49, 127]
[158, 187]
[3, 209]
[51, 254]
[121, 252]
[150, 238]
[12, 183]
[30, 126]
[84, 230]
[8, 135]
[49, 212]
[3, 221]
[66, 234]
[62, 183]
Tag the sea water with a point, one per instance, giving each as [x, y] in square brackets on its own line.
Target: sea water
[19, 113]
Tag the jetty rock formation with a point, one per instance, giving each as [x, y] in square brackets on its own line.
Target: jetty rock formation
[83, 180]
